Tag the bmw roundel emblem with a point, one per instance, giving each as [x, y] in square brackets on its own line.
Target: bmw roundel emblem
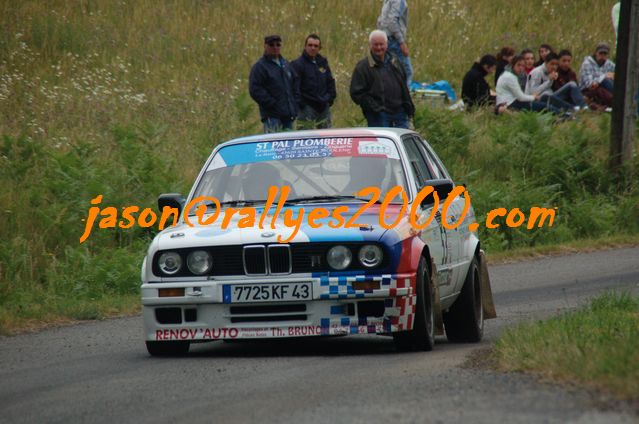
[268, 234]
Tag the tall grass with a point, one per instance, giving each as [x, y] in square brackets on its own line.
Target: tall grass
[126, 99]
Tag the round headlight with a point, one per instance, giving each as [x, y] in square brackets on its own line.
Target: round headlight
[199, 262]
[370, 256]
[339, 257]
[170, 263]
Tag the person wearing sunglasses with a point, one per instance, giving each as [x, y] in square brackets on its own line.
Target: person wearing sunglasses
[274, 87]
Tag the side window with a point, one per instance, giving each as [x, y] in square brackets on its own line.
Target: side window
[417, 163]
[433, 160]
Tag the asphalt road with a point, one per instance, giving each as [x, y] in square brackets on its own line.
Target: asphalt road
[100, 371]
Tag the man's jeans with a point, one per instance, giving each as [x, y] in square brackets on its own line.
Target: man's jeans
[608, 84]
[393, 47]
[537, 106]
[309, 118]
[556, 102]
[570, 92]
[272, 125]
[383, 119]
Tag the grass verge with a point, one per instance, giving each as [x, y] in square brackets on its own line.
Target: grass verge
[574, 246]
[596, 347]
[62, 311]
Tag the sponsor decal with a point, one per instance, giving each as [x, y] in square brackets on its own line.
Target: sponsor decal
[260, 333]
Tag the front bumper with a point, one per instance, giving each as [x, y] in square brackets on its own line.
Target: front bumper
[336, 308]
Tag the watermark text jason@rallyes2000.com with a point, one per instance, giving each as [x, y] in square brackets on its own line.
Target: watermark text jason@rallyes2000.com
[249, 216]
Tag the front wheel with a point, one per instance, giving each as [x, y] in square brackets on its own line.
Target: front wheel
[179, 348]
[422, 336]
[464, 321]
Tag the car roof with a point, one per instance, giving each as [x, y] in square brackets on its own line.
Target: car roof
[393, 133]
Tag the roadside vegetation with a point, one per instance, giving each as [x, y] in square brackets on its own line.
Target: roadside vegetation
[127, 100]
[596, 346]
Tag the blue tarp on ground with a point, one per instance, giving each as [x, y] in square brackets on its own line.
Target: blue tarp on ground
[439, 85]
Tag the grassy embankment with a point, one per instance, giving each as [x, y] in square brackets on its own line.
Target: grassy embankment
[596, 346]
[127, 99]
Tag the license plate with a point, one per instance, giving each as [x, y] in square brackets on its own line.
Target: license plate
[267, 292]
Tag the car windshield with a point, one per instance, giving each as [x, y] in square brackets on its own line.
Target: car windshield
[317, 169]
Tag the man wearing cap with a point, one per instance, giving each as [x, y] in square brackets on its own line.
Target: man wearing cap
[379, 87]
[317, 85]
[597, 76]
[273, 85]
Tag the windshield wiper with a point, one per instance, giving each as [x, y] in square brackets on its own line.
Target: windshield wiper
[329, 198]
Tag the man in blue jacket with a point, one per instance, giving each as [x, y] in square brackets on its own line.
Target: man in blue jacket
[273, 85]
[317, 85]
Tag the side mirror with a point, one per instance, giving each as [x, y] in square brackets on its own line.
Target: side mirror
[172, 200]
[441, 187]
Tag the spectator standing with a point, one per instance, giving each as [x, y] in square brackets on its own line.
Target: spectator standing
[379, 87]
[317, 85]
[273, 86]
[542, 78]
[596, 76]
[510, 94]
[393, 20]
[544, 49]
[504, 57]
[475, 89]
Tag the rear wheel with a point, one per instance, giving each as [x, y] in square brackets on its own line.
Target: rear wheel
[422, 336]
[167, 348]
[464, 321]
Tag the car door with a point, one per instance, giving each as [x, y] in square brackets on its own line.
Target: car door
[435, 236]
[456, 239]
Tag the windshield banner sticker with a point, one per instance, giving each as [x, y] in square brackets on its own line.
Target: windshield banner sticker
[303, 148]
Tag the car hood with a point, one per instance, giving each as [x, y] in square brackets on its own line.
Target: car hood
[184, 235]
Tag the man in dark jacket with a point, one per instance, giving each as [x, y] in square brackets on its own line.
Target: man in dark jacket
[317, 85]
[379, 87]
[475, 89]
[273, 85]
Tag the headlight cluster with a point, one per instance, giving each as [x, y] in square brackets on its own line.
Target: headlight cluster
[340, 257]
[198, 262]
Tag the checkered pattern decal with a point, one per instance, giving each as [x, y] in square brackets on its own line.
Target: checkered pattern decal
[399, 311]
[341, 288]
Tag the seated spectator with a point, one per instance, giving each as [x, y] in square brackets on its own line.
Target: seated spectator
[509, 92]
[597, 76]
[529, 59]
[475, 89]
[565, 86]
[541, 79]
[544, 49]
[504, 57]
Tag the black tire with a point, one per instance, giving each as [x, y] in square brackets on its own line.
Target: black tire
[179, 348]
[422, 336]
[464, 321]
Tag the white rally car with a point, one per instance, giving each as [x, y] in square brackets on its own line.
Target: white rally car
[206, 279]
